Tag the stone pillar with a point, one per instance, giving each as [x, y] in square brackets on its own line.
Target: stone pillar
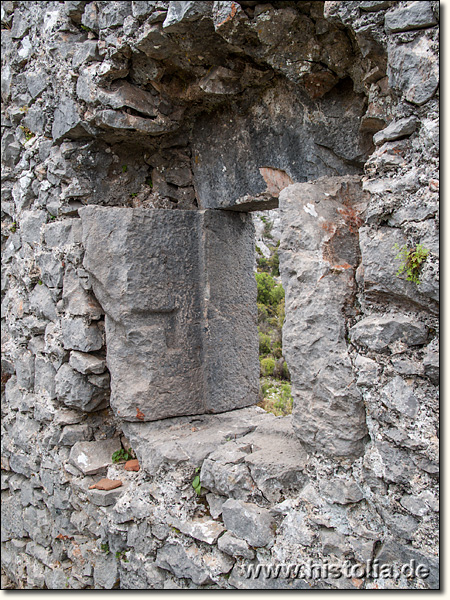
[179, 295]
[319, 253]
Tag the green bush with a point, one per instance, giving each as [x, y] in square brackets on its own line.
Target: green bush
[263, 313]
[269, 293]
[264, 343]
[267, 366]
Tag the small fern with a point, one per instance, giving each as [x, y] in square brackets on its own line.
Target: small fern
[412, 261]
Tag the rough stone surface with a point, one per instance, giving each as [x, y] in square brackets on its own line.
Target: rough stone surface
[414, 16]
[379, 332]
[172, 106]
[248, 521]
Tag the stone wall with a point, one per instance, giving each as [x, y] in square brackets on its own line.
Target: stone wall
[127, 315]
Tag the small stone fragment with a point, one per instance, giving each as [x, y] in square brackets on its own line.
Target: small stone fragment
[396, 130]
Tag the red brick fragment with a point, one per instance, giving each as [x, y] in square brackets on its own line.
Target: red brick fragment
[132, 465]
[106, 484]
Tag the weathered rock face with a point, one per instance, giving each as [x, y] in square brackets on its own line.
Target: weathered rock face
[146, 108]
[179, 295]
[319, 254]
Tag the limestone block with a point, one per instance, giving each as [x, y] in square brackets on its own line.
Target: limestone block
[203, 529]
[379, 270]
[24, 364]
[61, 233]
[234, 546]
[248, 521]
[240, 157]
[377, 332]
[178, 291]
[182, 562]
[414, 70]
[93, 457]
[113, 14]
[414, 16]
[182, 13]
[44, 377]
[51, 269]
[396, 130]
[77, 300]
[78, 335]
[67, 121]
[87, 364]
[399, 395]
[74, 390]
[42, 303]
[431, 361]
[318, 256]
[74, 433]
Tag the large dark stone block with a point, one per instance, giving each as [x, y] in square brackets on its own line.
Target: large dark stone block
[179, 295]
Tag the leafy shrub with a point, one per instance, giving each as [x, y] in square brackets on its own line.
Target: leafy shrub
[269, 293]
[264, 343]
[411, 261]
[122, 454]
[267, 366]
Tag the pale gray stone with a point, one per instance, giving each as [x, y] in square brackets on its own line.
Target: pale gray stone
[42, 303]
[375, 5]
[44, 378]
[414, 70]
[104, 497]
[93, 457]
[74, 390]
[380, 267]
[182, 562]
[249, 522]
[24, 364]
[67, 121]
[396, 130]
[377, 332]
[113, 14]
[77, 301]
[31, 224]
[78, 335]
[51, 269]
[399, 395]
[10, 149]
[74, 433]
[390, 463]
[61, 233]
[37, 81]
[143, 9]
[87, 364]
[203, 529]
[106, 574]
[341, 491]
[182, 13]
[162, 325]
[234, 546]
[74, 9]
[368, 371]
[415, 15]
[85, 53]
[395, 552]
[431, 361]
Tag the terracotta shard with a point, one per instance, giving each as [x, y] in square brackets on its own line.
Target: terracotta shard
[132, 465]
[106, 484]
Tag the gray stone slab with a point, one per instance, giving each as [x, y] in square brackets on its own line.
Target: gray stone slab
[179, 295]
[232, 148]
[93, 457]
[248, 521]
[416, 15]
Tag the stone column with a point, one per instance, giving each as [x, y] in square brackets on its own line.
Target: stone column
[319, 253]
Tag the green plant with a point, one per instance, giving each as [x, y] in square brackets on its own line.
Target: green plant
[264, 343]
[276, 397]
[105, 547]
[122, 555]
[124, 168]
[122, 454]
[13, 227]
[149, 182]
[28, 133]
[267, 366]
[196, 482]
[412, 261]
